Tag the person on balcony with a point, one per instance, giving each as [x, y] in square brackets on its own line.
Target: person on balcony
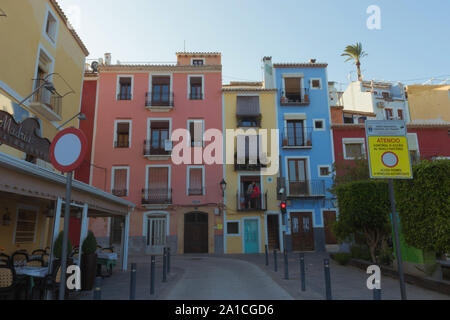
[255, 196]
[248, 195]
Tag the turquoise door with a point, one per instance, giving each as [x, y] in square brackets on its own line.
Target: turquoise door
[251, 236]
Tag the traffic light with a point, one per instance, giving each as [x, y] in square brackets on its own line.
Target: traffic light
[283, 207]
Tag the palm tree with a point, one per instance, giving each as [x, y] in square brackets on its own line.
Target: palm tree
[355, 52]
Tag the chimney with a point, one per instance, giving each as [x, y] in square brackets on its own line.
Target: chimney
[100, 61]
[312, 60]
[108, 59]
[269, 77]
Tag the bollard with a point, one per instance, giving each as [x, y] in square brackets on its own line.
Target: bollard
[376, 294]
[133, 282]
[164, 266]
[326, 265]
[98, 288]
[168, 260]
[152, 275]
[267, 255]
[302, 271]
[286, 266]
[275, 265]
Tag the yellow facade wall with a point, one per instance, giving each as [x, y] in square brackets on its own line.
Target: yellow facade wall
[234, 244]
[428, 102]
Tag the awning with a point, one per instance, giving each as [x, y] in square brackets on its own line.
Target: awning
[248, 106]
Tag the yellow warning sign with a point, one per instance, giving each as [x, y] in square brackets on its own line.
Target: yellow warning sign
[389, 157]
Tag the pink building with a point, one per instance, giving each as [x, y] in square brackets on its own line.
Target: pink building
[137, 109]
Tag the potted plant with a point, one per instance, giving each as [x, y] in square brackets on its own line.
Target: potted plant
[88, 261]
[57, 251]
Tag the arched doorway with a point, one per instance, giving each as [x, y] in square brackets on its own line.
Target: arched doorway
[196, 232]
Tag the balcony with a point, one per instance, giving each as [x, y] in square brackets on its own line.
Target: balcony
[302, 139]
[247, 166]
[300, 98]
[160, 152]
[156, 196]
[47, 104]
[196, 96]
[121, 144]
[245, 203]
[306, 189]
[120, 192]
[196, 191]
[159, 103]
[124, 96]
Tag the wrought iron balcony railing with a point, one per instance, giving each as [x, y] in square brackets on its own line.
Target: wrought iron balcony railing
[194, 191]
[155, 150]
[124, 96]
[247, 203]
[299, 138]
[156, 196]
[196, 96]
[50, 100]
[121, 144]
[300, 98]
[247, 166]
[120, 192]
[159, 100]
[306, 188]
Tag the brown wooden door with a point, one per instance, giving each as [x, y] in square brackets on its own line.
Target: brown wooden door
[329, 217]
[302, 231]
[273, 232]
[196, 232]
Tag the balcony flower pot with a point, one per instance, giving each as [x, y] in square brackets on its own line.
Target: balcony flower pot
[306, 97]
[88, 262]
[309, 143]
[283, 99]
[285, 142]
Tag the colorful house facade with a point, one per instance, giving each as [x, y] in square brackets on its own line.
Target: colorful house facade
[429, 102]
[252, 212]
[137, 109]
[306, 152]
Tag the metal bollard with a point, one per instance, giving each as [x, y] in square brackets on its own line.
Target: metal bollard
[286, 266]
[168, 260]
[152, 275]
[326, 265]
[164, 266]
[133, 282]
[376, 294]
[275, 265]
[267, 255]
[302, 271]
[98, 288]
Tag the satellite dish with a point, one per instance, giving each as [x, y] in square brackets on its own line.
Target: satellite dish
[94, 66]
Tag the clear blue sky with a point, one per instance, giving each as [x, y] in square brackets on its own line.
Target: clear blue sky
[413, 43]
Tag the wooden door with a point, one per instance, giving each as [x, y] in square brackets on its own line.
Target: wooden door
[329, 217]
[302, 231]
[273, 232]
[196, 232]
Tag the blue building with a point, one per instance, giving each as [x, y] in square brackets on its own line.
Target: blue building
[306, 152]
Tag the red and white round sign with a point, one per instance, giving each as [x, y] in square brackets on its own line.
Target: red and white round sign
[389, 159]
[68, 149]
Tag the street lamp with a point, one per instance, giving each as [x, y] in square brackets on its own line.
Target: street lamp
[223, 186]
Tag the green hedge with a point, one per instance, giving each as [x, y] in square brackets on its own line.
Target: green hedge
[424, 206]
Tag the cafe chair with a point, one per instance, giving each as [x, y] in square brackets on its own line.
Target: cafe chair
[38, 252]
[35, 262]
[8, 285]
[51, 282]
[19, 256]
[45, 258]
[109, 250]
[4, 260]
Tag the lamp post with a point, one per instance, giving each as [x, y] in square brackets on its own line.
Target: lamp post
[80, 116]
[223, 186]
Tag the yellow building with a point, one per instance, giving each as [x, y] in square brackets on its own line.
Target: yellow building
[42, 63]
[252, 215]
[429, 102]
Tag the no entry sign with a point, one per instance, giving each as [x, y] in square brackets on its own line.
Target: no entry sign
[68, 149]
[388, 149]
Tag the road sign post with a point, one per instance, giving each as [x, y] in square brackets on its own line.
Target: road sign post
[389, 158]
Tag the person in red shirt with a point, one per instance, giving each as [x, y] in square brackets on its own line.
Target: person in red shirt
[254, 197]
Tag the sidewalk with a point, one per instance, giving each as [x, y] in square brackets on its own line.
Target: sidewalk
[347, 282]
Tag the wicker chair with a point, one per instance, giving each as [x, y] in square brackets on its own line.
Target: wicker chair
[38, 252]
[8, 283]
[5, 260]
[36, 262]
[19, 256]
[51, 282]
[109, 250]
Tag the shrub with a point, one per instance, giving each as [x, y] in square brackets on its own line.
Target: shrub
[360, 252]
[59, 244]
[386, 256]
[89, 244]
[342, 257]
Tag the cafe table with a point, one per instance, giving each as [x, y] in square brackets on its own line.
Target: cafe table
[31, 273]
[108, 259]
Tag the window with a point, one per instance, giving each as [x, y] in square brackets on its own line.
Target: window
[233, 228]
[250, 197]
[25, 226]
[295, 135]
[119, 181]
[196, 132]
[319, 125]
[44, 68]
[316, 84]
[50, 27]
[248, 155]
[125, 88]
[292, 89]
[160, 91]
[298, 183]
[122, 134]
[159, 136]
[389, 114]
[354, 149]
[386, 95]
[324, 171]
[348, 119]
[158, 183]
[195, 178]
[400, 114]
[195, 88]
[248, 111]
[198, 62]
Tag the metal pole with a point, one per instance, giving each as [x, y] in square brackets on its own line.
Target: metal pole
[397, 241]
[164, 266]
[302, 271]
[62, 284]
[168, 260]
[275, 265]
[133, 282]
[286, 266]
[98, 288]
[267, 255]
[376, 294]
[326, 265]
[152, 275]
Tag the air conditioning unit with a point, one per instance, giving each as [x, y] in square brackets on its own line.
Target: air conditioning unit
[380, 105]
[168, 145]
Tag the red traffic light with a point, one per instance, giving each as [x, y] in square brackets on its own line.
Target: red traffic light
[283, 205]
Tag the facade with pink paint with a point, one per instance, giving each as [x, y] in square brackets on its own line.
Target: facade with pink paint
[137, 109]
